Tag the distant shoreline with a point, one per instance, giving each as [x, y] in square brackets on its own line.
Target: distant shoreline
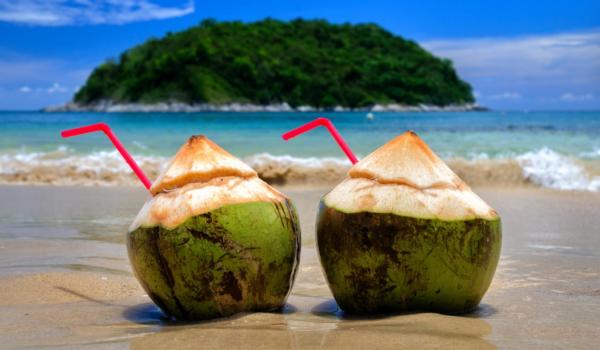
[178, 107]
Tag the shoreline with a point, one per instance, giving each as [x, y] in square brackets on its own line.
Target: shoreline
[104, 168]
[178, 107]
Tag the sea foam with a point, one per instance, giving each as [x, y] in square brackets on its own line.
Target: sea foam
[548, 168]
[288, 169]
[64, 167]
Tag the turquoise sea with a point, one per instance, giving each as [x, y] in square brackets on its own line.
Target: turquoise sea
[553, 149]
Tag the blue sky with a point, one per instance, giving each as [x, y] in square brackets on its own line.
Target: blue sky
[516, 54]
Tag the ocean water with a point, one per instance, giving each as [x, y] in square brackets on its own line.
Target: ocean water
[550, 149]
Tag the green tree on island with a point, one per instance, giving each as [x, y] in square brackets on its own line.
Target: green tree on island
[300, 62]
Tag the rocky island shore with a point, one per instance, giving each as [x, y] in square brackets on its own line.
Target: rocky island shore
[178, 107]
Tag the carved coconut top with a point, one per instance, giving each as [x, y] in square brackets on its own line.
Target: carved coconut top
[405, 177]
[406, 160]
[200, 178]
[199, 160]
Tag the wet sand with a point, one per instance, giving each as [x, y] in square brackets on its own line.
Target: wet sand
[66, 283]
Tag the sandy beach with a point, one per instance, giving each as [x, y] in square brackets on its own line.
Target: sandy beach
[438, 163]
[66, 283]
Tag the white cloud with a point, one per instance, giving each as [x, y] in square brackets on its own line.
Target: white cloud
[506, 96]
[28, 82]
[572, 56]
[543, 65]
[571, 97]
[56, 88]
[78, 12]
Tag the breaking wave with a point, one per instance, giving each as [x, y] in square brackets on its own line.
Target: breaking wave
[63, 167]
[548, 168]
[544, 168]
[287, 169]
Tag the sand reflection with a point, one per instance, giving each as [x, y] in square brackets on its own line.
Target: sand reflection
[310, 322]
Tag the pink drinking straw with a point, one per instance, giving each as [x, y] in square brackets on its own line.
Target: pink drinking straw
[118, 145]
[332, 130]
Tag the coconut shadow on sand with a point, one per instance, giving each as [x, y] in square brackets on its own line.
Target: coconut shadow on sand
[150, 314]
[330, 308]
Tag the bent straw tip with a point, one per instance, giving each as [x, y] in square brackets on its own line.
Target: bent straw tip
[69, 133]
[85, 129]
[116, 143]
[304, 128]
[322, 121]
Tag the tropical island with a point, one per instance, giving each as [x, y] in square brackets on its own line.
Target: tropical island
[273, 65]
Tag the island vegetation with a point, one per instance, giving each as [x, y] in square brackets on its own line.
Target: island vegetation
[300, 62]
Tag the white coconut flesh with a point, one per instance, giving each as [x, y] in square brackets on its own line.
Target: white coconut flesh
[200, 178]
[405, 177]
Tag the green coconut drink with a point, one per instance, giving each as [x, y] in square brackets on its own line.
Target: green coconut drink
[214, 239]
[403, 232]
